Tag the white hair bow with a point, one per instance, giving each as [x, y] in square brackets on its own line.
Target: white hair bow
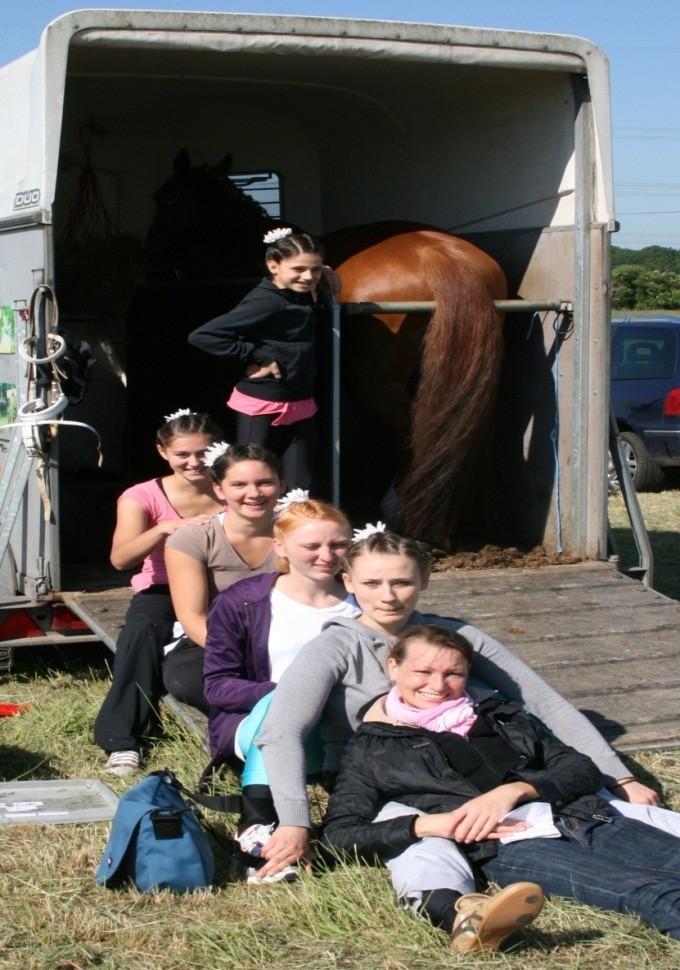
[178, 414]
[215, 451]
[368, 530]
[295, 495]
[274, 235]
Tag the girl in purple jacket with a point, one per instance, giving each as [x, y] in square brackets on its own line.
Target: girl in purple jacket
[256, 628]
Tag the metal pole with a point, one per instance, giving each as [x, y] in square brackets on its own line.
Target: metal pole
[336, 347]
[426, 306]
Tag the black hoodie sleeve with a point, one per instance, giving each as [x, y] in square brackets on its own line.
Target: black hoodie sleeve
[238, 333]
[354, 803]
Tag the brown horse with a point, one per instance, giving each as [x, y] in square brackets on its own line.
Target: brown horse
[454, 359]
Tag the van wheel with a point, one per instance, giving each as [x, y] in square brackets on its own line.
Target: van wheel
[644, 471]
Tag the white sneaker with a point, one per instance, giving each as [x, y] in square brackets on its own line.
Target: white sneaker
[252, 840]
[122, 763]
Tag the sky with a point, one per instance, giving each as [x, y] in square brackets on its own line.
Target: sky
[642, 41]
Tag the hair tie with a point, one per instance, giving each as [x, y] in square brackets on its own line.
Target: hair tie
[179, 414]
[213, 452]
[368, 530]
[290, 498]
[274, 235]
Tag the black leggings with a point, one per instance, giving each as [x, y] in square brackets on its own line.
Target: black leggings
[183, 674]
[129, 708]
[293, 443]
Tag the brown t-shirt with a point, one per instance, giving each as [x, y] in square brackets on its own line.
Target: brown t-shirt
[209, 545]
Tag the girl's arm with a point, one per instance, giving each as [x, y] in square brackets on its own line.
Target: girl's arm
[227, 681]
[188, 581]
[298, 704]
[236, 334]
[133, 540]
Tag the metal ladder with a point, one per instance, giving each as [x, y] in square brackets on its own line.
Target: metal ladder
[12, 488]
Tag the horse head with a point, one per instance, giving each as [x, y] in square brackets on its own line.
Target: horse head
[205, 227]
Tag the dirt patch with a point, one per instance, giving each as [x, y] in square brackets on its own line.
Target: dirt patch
[498, 557]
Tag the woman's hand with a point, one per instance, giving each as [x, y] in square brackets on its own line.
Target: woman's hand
[631, 790]
[478, 819]
[172, 525]
[263, 370]
[288, 844]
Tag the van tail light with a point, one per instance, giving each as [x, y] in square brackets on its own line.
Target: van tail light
[671, 405]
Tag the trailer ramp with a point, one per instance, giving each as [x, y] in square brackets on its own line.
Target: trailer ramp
[104, 612]
[607, 643]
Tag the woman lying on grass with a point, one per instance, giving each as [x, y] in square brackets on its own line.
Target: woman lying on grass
[436, 763]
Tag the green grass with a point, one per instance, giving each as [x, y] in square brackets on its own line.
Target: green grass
[55, 918]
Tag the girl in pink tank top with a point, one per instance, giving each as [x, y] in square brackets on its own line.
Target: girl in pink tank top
[147, 514]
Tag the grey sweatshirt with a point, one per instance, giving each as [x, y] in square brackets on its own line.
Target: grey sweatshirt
[343, 668]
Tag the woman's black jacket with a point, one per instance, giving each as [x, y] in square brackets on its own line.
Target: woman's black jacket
[386, 763]
[268, 324]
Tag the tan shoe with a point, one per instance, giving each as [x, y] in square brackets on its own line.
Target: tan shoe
[483, 922]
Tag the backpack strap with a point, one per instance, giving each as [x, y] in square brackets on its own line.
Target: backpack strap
[227, 804]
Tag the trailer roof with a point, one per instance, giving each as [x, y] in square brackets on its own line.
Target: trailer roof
[32, 88]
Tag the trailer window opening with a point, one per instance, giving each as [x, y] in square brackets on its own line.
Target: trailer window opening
[263, 187]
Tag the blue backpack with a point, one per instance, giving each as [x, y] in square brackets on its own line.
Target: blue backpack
[157, 840]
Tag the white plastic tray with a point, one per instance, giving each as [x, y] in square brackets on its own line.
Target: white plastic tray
[59, 802]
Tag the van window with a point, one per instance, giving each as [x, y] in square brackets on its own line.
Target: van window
[643, 353]
[264, 187]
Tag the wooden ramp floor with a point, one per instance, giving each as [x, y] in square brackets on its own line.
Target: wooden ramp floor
[605, 642]
[608, 644]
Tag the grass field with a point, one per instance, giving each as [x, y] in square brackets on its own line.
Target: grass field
[54, 917]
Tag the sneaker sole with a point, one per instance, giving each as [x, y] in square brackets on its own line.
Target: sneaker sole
[284, 876]
[512, 909]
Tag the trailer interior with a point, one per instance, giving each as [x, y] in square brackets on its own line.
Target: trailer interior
[485, 151]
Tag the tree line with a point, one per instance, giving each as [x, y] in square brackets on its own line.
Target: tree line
[645, 279]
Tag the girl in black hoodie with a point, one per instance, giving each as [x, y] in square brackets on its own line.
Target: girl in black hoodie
[272, 332]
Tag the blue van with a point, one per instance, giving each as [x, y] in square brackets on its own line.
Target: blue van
[645, 388]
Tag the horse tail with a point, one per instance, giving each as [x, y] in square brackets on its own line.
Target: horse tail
[453, 409]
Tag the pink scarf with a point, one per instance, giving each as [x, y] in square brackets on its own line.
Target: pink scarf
[456, 716]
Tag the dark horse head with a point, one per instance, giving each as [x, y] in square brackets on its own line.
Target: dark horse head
[205, 227]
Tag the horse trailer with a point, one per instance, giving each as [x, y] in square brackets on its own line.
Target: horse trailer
[498, 136]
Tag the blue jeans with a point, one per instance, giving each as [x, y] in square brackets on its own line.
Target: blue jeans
[622, 865]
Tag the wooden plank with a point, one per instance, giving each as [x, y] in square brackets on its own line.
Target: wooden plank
[516, 627]
[580, 575]
[498, 602]
[624, 676]
[582, 652]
